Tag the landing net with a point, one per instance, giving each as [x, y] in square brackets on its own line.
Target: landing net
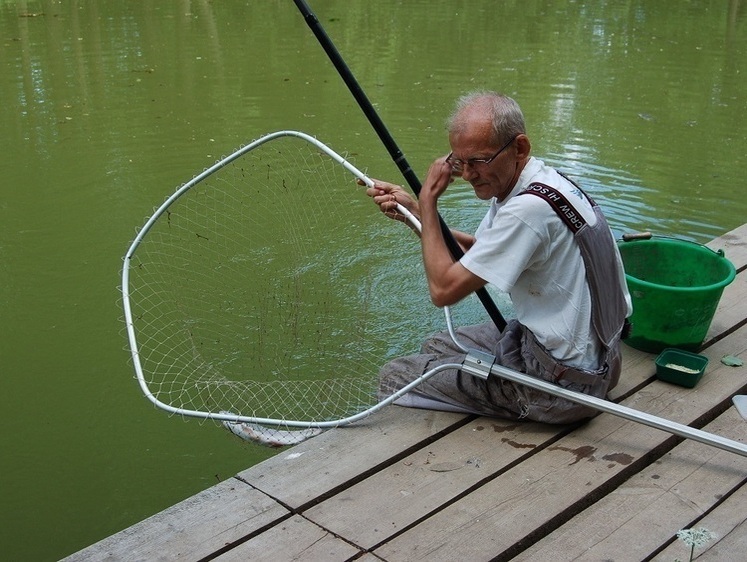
[267, 290]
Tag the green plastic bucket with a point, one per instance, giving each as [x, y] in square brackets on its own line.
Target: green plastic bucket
[675, 286]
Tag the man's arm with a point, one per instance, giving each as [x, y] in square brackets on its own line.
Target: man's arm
[448, 281]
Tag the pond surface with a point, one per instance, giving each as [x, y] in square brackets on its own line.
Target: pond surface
[107, 107]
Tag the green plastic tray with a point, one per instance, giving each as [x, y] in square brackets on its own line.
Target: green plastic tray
[680, 367]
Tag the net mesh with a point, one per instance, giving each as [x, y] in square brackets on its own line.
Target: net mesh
[268, 289]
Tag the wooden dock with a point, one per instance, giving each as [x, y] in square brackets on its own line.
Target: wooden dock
[418, 485]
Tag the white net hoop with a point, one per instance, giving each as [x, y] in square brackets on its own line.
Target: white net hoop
[229, 321]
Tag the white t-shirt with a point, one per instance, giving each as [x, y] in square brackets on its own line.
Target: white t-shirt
[524, 249]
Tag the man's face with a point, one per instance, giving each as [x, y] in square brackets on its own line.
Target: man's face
[493, 179]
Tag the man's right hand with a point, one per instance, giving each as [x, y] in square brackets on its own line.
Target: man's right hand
[388, 195]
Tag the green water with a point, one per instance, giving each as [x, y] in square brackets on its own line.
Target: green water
[106, 107]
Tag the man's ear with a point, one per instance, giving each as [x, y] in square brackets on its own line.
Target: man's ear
[523, 147]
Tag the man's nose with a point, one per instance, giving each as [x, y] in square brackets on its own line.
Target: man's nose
[468, 172]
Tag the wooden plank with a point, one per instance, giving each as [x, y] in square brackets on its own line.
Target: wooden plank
[192, 529]
[645, 512]
[730, 311]
[428, 478]
[368, 557]
[729, 522]
[314, 468]
[293, 539]
[528, 501]
[638, 369]
[734, 245]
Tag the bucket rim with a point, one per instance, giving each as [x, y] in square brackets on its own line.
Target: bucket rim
[667, 240]
[732, 271]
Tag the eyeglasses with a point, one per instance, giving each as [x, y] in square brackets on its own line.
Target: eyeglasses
[457, 164]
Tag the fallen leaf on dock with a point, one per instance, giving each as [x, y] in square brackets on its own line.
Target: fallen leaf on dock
[731, 361]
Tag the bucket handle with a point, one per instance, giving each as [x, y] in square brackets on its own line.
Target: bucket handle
[632, 236]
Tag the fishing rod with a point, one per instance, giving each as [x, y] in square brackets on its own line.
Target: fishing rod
[396, 154]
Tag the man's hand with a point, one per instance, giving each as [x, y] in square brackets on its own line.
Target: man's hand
[440, 175]
[387, 196]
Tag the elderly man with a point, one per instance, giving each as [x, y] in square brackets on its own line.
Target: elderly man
[545, 243]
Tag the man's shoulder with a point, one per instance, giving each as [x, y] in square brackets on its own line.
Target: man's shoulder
[548, 185]
[560, 191]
